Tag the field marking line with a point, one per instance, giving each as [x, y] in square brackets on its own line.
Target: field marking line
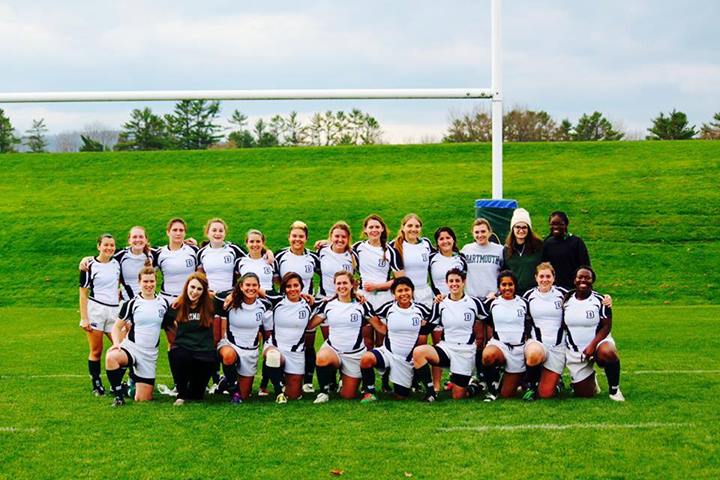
[16, 430]
[570, 426]
[673, 372]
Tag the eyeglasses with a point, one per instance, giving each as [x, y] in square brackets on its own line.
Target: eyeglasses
[520, 227]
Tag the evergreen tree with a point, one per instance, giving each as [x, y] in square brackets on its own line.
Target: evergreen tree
[564, 132]
[8, 140]
[35, 139]
[144, 131]
[711, 131]
[90, 145]
[595, 127]
[242, 137]
[673, 127]
[192, 124]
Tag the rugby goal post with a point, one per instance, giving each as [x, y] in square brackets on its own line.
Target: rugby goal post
[494, 93]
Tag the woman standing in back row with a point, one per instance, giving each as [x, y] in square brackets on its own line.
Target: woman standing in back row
[563, 250]
[523, 250]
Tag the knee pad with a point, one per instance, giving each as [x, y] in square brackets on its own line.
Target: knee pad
[272, 358]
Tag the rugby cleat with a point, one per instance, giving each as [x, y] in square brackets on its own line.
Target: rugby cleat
[529, 395]
[489, 397]
[263, 392]
[368, 398]
[98, 391]
[430, 397]
[236, 399]
[179, 402]
[281, 398]
[617, 396]
[308, 388]
[118, 402]
[322, 397]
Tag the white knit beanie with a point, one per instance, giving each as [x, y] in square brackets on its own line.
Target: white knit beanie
[520, 215]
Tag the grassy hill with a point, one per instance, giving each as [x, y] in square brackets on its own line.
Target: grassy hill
[647, 210]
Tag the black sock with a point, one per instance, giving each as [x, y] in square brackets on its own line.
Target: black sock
[368, 379]
[94, 369]
[492, 377]
[265, 377]
[532, 376]
[612, 370]
[275, 374]
[425, 378]
[386, 380]
[115, 378]
[230, 372]
[309, 365]
[325, 375]
[479, 368]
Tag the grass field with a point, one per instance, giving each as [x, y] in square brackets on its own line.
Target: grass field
[648, 211]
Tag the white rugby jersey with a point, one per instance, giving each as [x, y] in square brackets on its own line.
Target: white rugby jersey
[403, 326]
[484, 263]
[546, 310]
[102, 279]
[582, 319]
[440, 265]
[373, 263]
[130, 266]
[244, 322]
[147, 318]
[219, 265]
[345, 321]
[458, 318]
[260, 267]
[415, 261]
[289, 322]
[331, 262]
[305, 265]
[508, 319]
[176, 266]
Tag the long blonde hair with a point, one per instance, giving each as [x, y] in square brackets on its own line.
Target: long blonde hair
[400, 238]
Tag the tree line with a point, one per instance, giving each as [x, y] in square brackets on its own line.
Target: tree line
[524, 125]
[194, 125]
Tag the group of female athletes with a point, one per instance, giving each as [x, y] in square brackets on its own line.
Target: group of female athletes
[505, 320]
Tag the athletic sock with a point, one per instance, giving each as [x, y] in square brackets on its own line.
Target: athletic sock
[275, 374]
[532, 376]
[230, 372]
[492, 377]
[386, 380]
[325, 375]
[368, 379]
[309, 365]
[115, 378]
[94, 369]
[425, 378]
[612, 371]
[265, 377]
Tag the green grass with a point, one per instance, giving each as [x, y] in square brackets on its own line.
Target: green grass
[648, 211]
[670, 420]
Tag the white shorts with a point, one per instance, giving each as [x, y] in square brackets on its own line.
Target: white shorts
[378, 298]
[514, 356]
[554, 356]
[425, 296]
[247, 358]
[462, 357]
[293, 362]
[101, 317]
[142, 360]
[580, 368]
[401, 370]
[349, 362]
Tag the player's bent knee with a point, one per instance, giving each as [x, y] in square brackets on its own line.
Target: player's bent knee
[367, 360]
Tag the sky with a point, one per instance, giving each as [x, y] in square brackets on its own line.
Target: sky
[630, 60]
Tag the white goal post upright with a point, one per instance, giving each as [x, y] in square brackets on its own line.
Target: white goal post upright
[494, 93]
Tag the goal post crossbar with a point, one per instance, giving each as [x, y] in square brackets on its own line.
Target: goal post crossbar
[284, 94]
